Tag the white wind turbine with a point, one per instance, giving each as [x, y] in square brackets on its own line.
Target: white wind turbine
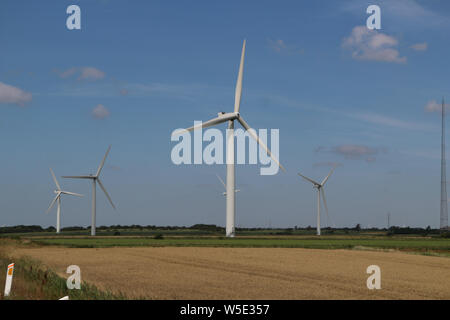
[229, 118]
[59, 192]
[319, 187]
[225, 193]
[95, 178]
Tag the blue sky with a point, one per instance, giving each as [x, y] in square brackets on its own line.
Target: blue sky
[338, 94]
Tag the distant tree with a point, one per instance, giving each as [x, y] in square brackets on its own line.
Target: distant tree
[445, 235]
[358, 227]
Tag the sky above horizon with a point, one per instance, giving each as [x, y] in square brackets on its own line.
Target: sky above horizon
[136, 71]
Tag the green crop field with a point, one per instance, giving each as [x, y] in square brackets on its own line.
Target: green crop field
[404, 243]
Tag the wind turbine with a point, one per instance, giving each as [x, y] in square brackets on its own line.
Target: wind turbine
[230, 117]
[95, 178]
[59, 192]
[225, 193]
[319, 187]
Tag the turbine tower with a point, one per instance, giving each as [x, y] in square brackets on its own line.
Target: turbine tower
[444, 210]
[95, 178]
[319, 187]
[59, 192]
[230, 118]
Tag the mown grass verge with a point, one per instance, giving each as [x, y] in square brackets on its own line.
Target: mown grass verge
[33, 281]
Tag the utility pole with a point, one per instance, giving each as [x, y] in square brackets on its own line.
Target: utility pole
[388, 220]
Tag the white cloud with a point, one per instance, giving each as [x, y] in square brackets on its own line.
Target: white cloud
[13, 95]
[420, 46]
[100, 112]
[372, 45]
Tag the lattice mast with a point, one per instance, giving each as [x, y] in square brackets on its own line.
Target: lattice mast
[444, 210]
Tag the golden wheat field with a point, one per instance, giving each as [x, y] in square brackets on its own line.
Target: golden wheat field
[250, 273]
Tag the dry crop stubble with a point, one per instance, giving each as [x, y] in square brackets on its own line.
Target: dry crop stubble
[251, 273]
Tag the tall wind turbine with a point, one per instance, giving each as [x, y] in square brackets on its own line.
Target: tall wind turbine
[95, 178]
[223, 183]
[59, 192]
[230, 118]
[319, 187]
[444, 210]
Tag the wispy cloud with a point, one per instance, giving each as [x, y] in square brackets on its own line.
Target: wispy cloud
[13, 95]
[390, 122]
[423, 46]
[368, 117]
[352, 151]
[280, 46]
[100, 112]
[355, 151]
[366, 44]
[84, 73]
[327, 164]
[434, 106]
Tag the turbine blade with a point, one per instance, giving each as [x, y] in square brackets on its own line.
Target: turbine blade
[326, 207]
[53, 203]
[310, 180]
[238, 92]
[54, 179]
[72, 193]
[103, 162]
[221, 181]
[106, 193]
[326, 178]
[79, 177]
[255, 136]
[209, 123]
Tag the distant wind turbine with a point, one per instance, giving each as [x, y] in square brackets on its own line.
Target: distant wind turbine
[59, 192]
[319, 187]
[95, 178]
[230, 117]
[220, 179]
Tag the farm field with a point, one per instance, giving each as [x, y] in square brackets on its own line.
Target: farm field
[248, 273]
